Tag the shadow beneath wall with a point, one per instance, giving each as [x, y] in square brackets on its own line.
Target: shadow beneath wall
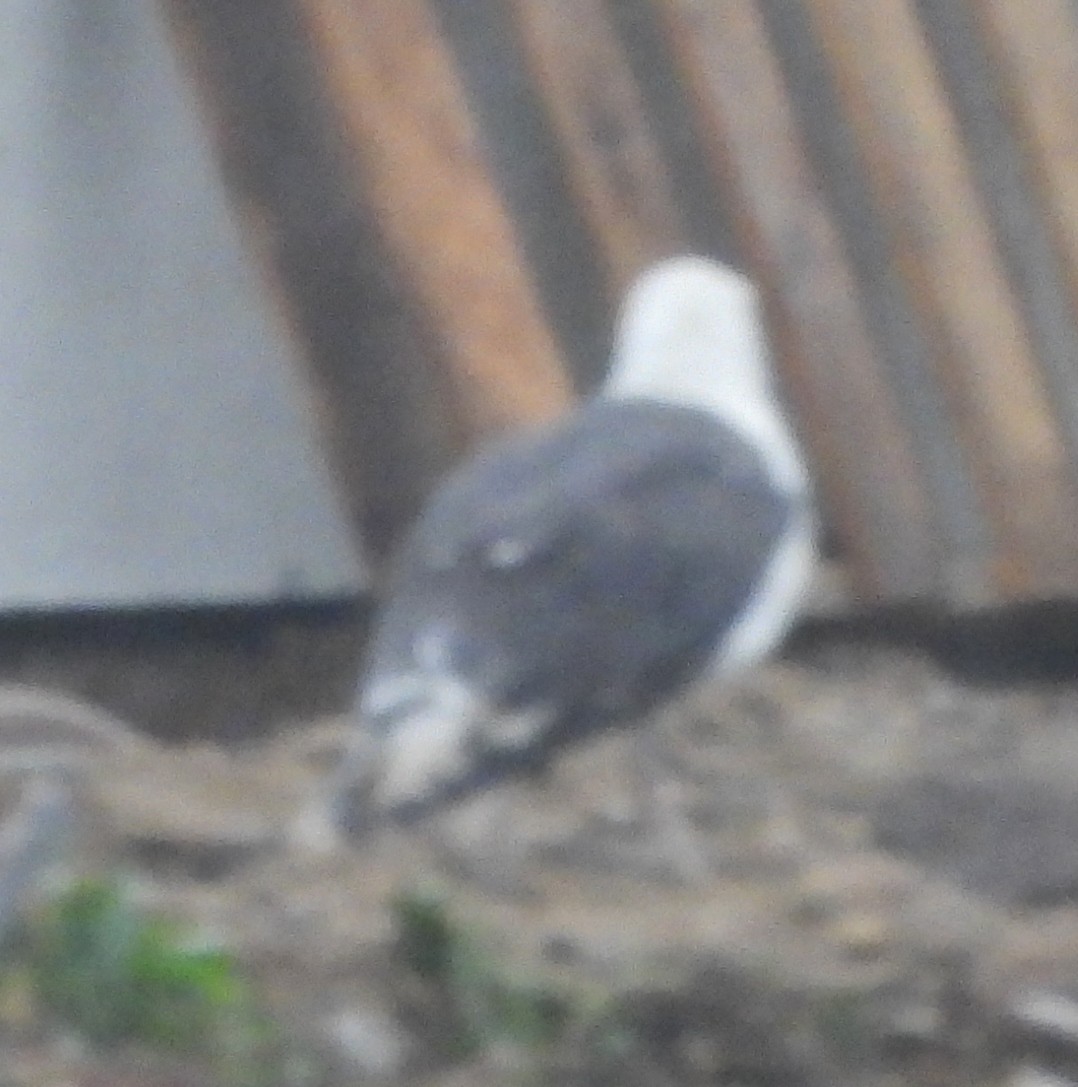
[1020, 643]
[230, 673]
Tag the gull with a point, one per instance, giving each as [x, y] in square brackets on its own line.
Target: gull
[584, 574]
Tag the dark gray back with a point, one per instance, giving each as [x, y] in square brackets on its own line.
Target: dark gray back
[591, 567]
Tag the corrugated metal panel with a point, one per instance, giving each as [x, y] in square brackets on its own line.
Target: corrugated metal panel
[924, 184]
[790, 238]
[972, 384]
[344, 133]
[898, 176]
[613, 161]
[152, 448]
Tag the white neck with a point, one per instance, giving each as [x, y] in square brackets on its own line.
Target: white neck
[691, 333]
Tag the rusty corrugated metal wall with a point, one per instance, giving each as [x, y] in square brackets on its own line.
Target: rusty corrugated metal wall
[900, 176]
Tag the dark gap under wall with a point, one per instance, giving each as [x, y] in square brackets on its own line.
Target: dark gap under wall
[1026, 643]
[230, 674]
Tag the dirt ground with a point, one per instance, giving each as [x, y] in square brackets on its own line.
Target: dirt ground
[891, 894]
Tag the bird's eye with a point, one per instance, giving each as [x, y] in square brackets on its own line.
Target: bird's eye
[507, 553]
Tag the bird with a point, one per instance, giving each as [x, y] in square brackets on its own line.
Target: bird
[579, 575]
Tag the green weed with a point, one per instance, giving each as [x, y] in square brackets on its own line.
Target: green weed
[480, 1006]
[93, 960]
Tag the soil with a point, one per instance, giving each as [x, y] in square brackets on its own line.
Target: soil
[890, 893]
